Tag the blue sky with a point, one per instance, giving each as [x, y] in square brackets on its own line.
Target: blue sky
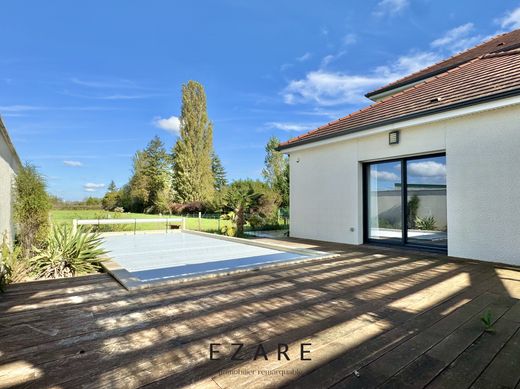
[83, 85]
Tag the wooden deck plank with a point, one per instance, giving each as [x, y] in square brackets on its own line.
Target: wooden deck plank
[427, 366]
[503, 371]
[469, 365]
[357, 309]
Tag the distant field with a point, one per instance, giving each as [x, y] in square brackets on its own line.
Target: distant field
[60, 216]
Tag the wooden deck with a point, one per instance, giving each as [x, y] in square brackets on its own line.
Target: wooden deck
[373, 318]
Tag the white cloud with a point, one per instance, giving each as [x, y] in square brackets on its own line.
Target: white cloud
[427, 169]
[384, 175]
[20, 108]
[285, 66]
[511, 20]
[390, 7]
[304, 57]
[457, 39]
[349, 39]
[171, 124]
[287, 126]
[92, 187]
[72, 163]
[333, 88]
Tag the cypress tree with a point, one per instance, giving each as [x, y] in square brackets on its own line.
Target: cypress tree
[192, 154]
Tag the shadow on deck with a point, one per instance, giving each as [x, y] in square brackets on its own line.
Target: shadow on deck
[372, 317]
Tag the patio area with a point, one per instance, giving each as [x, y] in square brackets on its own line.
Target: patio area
[370, 317]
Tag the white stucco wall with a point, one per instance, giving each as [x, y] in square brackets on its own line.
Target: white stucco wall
[483, 183]
[9, 165]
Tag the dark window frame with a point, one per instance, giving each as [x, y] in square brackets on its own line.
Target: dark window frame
[403, 242]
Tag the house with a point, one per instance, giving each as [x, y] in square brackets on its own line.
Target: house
[9, 166]
[434, 163]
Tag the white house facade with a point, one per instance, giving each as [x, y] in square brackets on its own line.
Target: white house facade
[9, 166]
[435, 165]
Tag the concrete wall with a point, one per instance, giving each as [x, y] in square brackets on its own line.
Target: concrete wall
[483, 183]
[9, 166]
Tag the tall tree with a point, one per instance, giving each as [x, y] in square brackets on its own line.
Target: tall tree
[112, 186]
[276, 170]
[156, 169]
[192, 154]
[219, 173]
[150, 178]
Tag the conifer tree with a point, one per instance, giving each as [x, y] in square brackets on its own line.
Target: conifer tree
[219, 173]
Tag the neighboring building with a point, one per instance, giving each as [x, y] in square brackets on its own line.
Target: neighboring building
[433, 163]
[9, 166]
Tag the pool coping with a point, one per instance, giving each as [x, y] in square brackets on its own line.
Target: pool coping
[131, 283]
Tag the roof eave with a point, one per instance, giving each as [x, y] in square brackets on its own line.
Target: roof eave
[457, 105]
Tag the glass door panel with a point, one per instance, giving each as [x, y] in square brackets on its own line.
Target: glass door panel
[426, 201]
[385, 201]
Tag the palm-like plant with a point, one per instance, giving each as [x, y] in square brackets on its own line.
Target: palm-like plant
[239, 197]
[68, 253]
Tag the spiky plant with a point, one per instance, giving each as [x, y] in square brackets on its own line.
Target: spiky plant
[487, 319]
[14, 267]
[68, 254]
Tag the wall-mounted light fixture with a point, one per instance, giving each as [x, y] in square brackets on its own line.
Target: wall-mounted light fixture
[393, 137]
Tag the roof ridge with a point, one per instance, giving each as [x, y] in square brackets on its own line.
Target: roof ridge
[439, 62]
[390, 98]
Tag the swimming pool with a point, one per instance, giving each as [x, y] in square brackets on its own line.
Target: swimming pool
[141, 259]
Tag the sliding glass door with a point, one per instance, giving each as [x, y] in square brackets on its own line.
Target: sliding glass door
[385, 208]
[405, 201]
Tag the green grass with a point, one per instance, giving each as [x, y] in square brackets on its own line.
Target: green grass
[60, 216]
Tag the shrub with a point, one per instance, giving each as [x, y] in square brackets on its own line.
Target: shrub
[119, 209]
[425, 223]
[31, 208]
[14, 267]
[68, 253]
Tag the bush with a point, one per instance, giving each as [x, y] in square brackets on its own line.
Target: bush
[31, 208]
[68, 254]
[14, 267]
[425, 223]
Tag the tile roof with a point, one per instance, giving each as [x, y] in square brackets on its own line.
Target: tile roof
[488, 77]
[502, 42]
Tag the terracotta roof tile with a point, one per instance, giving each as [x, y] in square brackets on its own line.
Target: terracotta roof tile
[486, 77]
[503, 42]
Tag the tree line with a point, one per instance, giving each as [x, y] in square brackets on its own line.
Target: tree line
[191, 178]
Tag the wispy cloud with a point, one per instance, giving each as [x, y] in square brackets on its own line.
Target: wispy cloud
[18, 108]
[511, 20]
[92, 187]
[171, 124]
[290, 126]
[304, 57]
[349, 39]
[328, 88]
[390, 7]
[457, 39]
[72, 163]
[105, 84]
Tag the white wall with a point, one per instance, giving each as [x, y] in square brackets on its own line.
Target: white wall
[483, 164]
[483, 183]
[9, 165]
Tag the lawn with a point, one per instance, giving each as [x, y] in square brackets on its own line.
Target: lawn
[208, 223]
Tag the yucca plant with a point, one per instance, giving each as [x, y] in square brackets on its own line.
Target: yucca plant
[14, 267]
[68, 253]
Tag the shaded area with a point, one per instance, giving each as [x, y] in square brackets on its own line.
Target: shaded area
[373, 316]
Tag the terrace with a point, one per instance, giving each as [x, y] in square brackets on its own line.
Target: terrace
[372, 316]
